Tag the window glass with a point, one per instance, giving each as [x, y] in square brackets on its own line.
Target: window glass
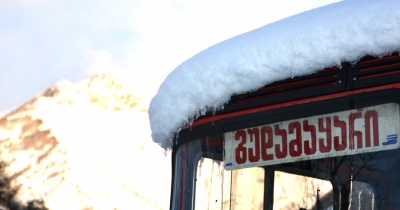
[361, 196]
[248, 188]
[212, 185]
[292, 191]
[217, 188]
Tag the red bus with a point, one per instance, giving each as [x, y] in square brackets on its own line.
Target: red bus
[328, 140]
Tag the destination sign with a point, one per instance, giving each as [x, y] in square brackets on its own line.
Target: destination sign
[369, 129]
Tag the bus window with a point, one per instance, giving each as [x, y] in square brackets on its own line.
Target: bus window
[238, 189]
[293, 191]
[247, 189]
[212, 185]
[361, 196]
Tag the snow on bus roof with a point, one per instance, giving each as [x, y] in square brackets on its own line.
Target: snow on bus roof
[295, 46]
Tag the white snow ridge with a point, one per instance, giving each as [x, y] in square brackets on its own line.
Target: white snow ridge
[295, 46]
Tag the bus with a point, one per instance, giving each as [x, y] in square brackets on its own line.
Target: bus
[327, 140]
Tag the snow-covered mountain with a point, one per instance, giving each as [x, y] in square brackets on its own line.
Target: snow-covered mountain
[85, 146]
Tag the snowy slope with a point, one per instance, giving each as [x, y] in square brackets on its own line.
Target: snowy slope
[85, 146]
[298, 45]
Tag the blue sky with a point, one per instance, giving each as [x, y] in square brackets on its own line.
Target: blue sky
[44, 41]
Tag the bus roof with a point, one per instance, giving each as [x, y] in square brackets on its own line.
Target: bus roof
[298, 45]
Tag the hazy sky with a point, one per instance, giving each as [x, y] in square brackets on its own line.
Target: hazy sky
[44, 41]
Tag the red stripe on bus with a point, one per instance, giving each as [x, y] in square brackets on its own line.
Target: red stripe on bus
[290, 103]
